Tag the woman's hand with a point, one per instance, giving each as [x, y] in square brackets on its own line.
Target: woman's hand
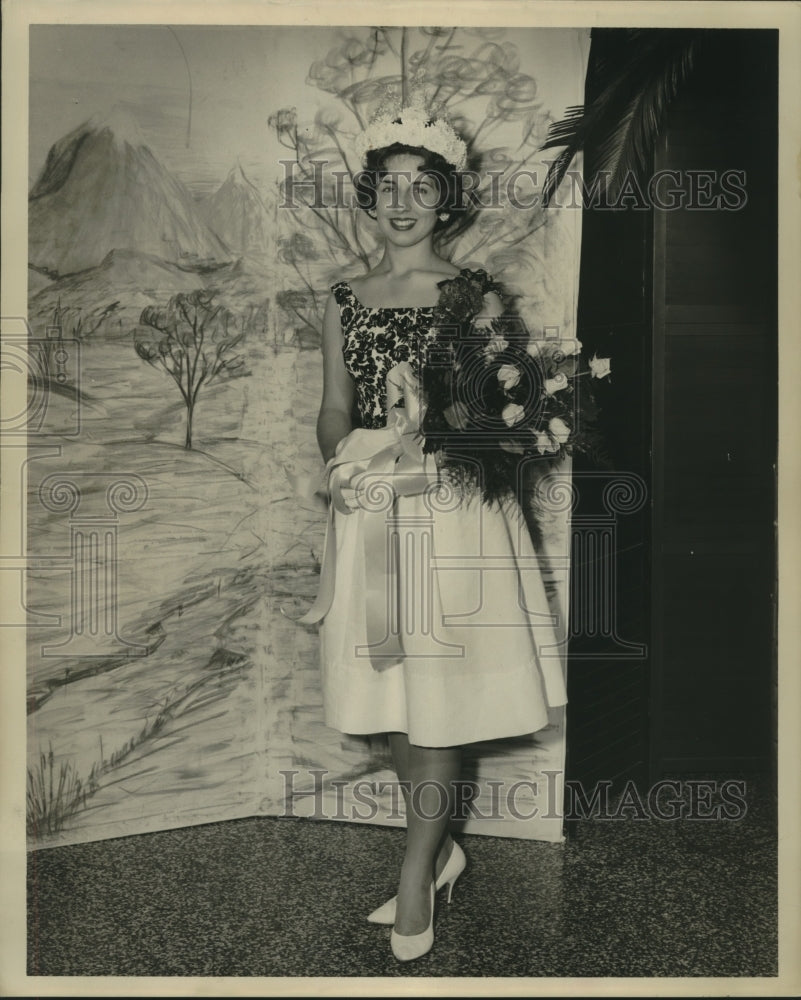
[344, 480]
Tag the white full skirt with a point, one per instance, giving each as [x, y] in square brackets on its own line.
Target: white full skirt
[479, 655]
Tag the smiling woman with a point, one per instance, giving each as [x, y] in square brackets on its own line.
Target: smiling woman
[408, 649]
[402, 185]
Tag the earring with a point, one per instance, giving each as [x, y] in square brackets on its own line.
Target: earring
[444, 216]
[372, 213]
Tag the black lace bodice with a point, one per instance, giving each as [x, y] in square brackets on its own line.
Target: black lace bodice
[375, 340]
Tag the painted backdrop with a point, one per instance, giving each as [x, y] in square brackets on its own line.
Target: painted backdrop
[175, 298]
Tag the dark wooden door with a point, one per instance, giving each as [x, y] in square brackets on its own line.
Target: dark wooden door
[684, 302]
[714, 415]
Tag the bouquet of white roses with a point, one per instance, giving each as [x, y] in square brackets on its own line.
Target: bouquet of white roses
[494, 397]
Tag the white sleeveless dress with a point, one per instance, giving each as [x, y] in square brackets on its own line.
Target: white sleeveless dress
[479, 657]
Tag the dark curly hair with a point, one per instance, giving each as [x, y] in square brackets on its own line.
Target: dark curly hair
[447, 177]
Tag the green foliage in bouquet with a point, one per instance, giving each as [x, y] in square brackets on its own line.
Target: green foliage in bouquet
[494, 398]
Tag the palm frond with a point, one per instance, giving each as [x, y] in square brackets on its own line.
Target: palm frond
[556, 173]
[636, 74]
[625, 149]
[569, 132]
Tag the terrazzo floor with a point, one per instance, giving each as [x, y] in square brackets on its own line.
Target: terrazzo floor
[288, 897]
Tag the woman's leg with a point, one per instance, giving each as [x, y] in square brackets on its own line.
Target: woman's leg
[431, 773]
[400, 749]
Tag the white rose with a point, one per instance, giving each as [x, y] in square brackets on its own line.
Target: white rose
[545, 442]
[559, 429]
[512, 414]
[565, 347]
[508, 376]
[600, 367]
[554, 384]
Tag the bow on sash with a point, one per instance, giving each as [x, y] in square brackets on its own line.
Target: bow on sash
[371, 468]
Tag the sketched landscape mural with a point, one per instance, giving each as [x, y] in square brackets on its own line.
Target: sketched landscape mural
[176, 309]
[128, 239]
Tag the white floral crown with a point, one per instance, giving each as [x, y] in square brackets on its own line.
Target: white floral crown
[414, 125]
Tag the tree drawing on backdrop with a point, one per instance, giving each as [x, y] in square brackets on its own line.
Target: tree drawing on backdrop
[474, 77]
[300, 304]
[192, 340]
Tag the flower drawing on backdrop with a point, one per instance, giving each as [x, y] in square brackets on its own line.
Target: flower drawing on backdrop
[474, 80]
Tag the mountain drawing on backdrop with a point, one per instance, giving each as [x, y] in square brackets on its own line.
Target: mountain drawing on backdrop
[131, 279]
[238, 215]
[102, 189]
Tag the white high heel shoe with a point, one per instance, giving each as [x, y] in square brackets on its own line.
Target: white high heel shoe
[405, 947]
[454, 867]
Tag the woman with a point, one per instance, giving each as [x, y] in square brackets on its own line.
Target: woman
[449, 683]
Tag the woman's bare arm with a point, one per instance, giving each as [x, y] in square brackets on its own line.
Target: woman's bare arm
[334, 420]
